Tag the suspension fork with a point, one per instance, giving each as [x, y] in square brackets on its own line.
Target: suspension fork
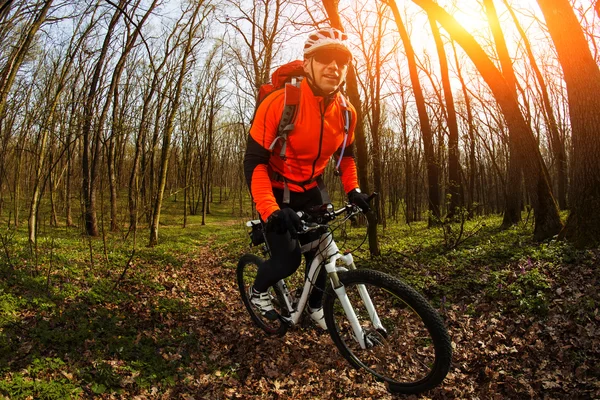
[340, 291]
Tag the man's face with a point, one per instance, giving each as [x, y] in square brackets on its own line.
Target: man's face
[328, 68]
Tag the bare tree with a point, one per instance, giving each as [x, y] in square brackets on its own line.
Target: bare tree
[152, 88]
[113, 95]
[373, 32]
[14, 61]
[454, 181]
[259, 33]
[92, 139]
[215, 70]
[513, 190]
[431, 162]
[556, 142]
[194, 26]
[49, 120]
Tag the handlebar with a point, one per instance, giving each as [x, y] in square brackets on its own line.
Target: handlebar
[313, 219]
[318, 216]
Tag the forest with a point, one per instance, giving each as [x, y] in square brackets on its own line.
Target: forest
[123, 126]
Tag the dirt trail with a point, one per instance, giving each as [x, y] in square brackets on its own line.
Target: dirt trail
[497, 354]
[242, 362]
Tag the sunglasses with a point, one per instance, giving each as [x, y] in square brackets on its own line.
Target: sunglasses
[324, 58]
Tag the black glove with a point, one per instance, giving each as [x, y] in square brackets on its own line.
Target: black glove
[355, 196]
[284, 220]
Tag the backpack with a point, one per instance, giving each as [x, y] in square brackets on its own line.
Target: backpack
[288, 77]
[287, 73]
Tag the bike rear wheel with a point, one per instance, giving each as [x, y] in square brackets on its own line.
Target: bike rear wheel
[413, 353]
[246, 273]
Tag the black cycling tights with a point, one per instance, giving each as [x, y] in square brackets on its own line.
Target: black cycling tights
[285, 251]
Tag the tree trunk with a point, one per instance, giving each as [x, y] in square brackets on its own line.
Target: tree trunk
[110, 162]
[557, 144]
[51, 183]
[582, 77]
[470, 198]
[454, 181]
[68, 183]
[409, 196]
[209, 157]
[431, 163]
[92, 140]
[17, 179]
[513, 189]
[71, 143]
[133, 191]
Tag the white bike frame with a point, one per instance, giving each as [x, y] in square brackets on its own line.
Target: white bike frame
[328, 254]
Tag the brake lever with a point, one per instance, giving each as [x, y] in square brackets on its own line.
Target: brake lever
[309, 226]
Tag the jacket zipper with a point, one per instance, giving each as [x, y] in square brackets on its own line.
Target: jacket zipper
[320, 139]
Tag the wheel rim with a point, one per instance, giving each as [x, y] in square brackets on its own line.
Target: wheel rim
[404, 354]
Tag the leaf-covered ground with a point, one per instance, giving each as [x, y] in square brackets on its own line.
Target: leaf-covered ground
[530, 330]
[496, 355]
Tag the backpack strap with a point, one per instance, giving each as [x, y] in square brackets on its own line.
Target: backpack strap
[286, 125]
[288, 116]
[286, 189]
[347, 118]
[320, 184]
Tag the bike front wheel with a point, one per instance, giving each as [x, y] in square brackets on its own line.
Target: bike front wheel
[410, 351]
[247, 269]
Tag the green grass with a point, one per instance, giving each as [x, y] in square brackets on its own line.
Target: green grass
[506, 265]
[67, 332]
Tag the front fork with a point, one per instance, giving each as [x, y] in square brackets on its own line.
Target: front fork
[340, 290]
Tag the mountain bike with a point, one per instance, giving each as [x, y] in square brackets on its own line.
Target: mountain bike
[378, 323]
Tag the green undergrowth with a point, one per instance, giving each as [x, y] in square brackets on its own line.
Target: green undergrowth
[507, 266]
[81, 317]
[85, 318]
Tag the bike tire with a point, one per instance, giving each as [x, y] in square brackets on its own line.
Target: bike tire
[415, 353]
[246, 273]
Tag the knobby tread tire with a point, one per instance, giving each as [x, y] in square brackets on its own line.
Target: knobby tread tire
[430, 317]
[276, 328]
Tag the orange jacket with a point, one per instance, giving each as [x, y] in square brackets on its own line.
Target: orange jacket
[318, 134]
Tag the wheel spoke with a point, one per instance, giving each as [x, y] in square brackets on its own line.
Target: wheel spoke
[404, 354]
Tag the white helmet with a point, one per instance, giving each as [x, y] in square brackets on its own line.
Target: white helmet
[327, 38]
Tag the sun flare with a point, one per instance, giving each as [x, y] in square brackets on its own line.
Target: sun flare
[473, 20]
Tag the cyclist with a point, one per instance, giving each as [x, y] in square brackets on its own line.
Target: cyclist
[280, 186]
